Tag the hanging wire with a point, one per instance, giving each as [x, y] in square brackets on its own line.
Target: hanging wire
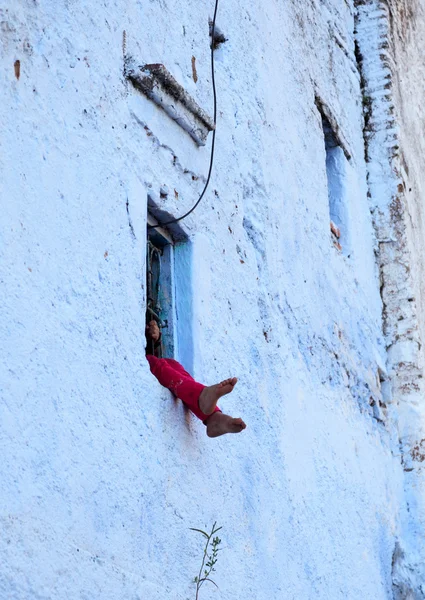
[213, 134]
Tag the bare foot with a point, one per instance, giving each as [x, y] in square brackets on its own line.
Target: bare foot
[211, 394]
[219, 424]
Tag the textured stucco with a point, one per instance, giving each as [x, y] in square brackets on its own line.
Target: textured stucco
[390, 43]
[102, 471]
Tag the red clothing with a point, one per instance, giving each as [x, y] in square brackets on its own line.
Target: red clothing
[172, 375]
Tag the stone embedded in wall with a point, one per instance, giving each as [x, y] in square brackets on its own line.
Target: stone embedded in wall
[157, 83]
[219, 37]
[325, 111]
[381, 51]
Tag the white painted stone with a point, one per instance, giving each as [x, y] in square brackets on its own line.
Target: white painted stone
[392, 67]
[157, 83]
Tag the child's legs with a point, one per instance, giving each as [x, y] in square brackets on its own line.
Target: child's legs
[178, 381]
[169, 373]
[178, 367]
[163, 371]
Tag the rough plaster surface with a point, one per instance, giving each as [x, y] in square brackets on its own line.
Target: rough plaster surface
[390, 36]
[102, 471]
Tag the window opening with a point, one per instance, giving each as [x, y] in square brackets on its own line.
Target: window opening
[159, 288]
[336, 177]
[153, 307]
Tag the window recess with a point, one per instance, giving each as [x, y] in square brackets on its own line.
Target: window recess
[337, 158]
[160, 304]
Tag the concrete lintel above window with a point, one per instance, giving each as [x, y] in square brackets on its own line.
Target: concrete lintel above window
[157, 83]
[157, 214]
[163, 233]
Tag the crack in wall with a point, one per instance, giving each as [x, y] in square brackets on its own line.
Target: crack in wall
[130, 223]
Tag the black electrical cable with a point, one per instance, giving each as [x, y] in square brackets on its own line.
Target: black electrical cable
[213, 134]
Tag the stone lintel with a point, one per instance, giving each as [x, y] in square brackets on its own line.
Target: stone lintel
[157, 83]
[336, 129]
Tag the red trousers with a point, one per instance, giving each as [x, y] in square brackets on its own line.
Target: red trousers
[172, 375]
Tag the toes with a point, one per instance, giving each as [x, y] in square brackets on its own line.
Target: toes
[231, 381]
[238, 425]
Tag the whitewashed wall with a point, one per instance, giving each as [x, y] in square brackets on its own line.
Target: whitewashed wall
[102, 471]
[391, 38]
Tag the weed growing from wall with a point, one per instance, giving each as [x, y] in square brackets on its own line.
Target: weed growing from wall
[209, 557]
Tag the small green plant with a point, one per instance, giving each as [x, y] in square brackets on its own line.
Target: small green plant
[209, 557]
